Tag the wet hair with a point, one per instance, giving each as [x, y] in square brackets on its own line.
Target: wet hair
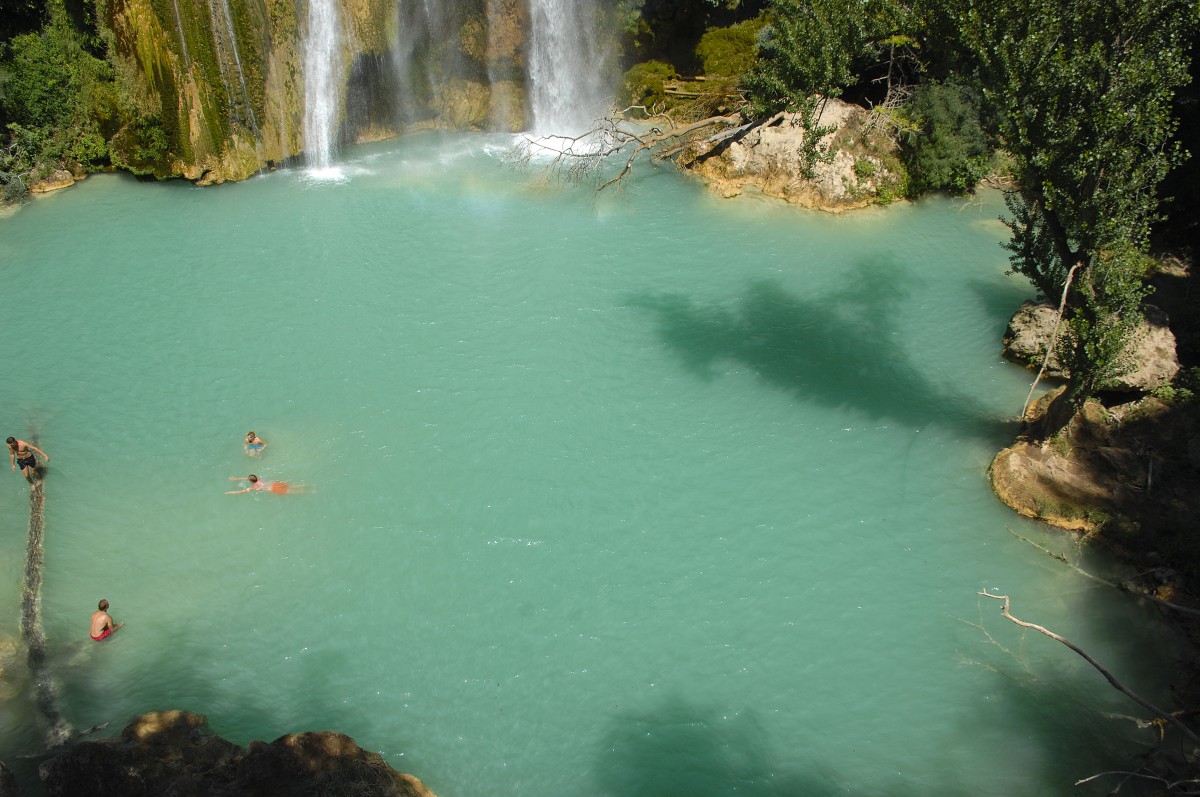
[103, 605]
[12, 441]
[253, 478]
[250, 434]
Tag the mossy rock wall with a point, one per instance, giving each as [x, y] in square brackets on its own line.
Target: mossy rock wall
[215, 88]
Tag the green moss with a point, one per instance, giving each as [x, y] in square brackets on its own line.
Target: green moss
[645, 84]
[731, 50]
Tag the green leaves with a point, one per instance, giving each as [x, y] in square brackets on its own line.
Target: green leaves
[1082, 92]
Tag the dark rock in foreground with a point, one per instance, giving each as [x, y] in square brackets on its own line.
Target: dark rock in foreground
[174, 753]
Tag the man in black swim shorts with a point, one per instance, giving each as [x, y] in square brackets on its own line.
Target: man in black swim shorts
[21, 453]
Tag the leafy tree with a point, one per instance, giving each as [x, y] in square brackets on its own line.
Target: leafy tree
[1082, 92]
[51, 93]
[946, 149]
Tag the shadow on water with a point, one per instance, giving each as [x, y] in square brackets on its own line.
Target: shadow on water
[682, 749]
[1057, 716]
[837, 349]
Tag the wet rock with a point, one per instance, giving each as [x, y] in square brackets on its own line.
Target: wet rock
[174, 753]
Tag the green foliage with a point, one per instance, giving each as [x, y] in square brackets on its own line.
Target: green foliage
[822, 46]
[645, 83]
[729, 51]
[141, 146]
[53, 90]
[946, 148]
[1082, 92]
[806, 49]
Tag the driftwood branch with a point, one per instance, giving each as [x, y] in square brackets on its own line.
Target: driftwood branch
[1062, 307]
[1124, 586]
[658, 135]
[1108, 676]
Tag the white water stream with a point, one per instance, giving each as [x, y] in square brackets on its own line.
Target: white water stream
[322, 84]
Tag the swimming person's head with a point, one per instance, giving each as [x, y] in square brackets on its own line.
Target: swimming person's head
[103, 605]
[253, 479]
[250, 437]
[12, 442]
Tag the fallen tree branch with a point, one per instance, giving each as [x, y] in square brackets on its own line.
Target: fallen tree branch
[1123, 586]
[582, 155]
[1108, 676]
[1062, 307]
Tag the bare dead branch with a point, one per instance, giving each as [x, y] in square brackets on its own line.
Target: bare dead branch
[1062, 306]
[1124, 586]
[1108, 676]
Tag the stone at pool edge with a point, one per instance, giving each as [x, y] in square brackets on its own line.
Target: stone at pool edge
[58, 179]
[174, 752]
[1152, 350]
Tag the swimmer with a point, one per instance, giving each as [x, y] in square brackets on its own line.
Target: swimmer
[22, 453]
[257, 484]
[102, 624]
[254, 444]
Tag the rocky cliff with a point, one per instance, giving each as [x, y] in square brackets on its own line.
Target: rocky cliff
[219, 85]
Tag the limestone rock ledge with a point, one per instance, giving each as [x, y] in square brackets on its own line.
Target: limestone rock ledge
[1126, 472]
[863, 170]
[174, 752]
[1152, 351]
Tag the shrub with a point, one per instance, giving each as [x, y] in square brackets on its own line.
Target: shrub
[946, 150]
[729, 51]
[645, 83]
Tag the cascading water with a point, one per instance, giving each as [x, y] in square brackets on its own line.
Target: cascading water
[183, 45]
[566, 86]
[225, 41]
[322, 87]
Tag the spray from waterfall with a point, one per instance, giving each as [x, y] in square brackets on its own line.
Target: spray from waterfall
[566, 86]
[322, 89]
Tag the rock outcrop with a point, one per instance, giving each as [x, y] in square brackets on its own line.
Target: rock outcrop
[1152, 350]
[863, 169]
[1127, 472]
[174, 753]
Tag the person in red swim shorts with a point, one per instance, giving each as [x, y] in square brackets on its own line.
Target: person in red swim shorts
[102, 623]
[256, 484]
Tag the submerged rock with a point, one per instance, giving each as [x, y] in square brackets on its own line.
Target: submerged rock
[173, 752]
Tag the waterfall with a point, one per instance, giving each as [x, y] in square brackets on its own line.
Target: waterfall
[322, 86]
[566, 67]
[225, 42]
[183, 45]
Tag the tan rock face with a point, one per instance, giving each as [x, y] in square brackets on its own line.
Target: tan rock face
[60, 178]
[769, 160]
[1152, 351]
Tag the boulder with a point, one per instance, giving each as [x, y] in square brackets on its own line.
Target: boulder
[768, 160]
[174, 753]
[57, 179]
[1152, 350]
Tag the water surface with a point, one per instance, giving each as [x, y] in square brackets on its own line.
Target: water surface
[642, 493]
